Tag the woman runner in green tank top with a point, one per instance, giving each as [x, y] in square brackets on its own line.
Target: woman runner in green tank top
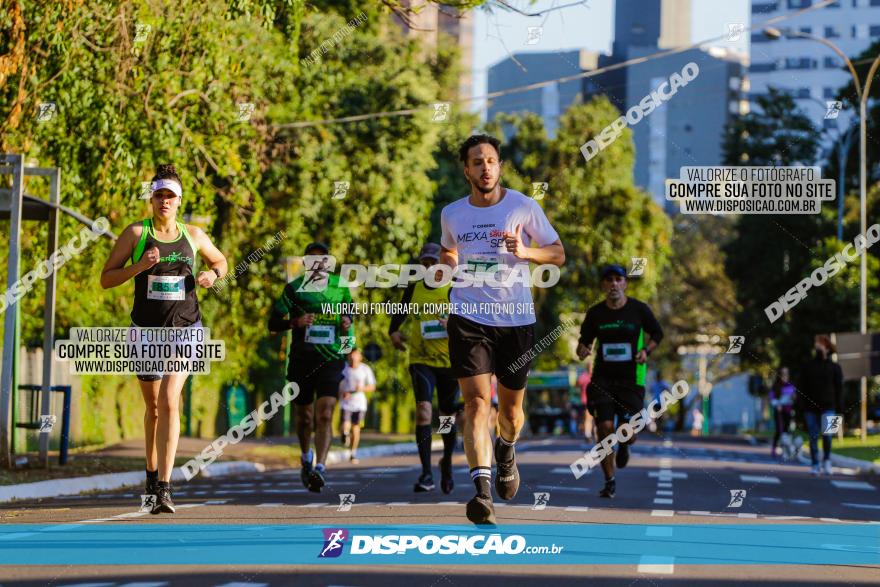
[163, 264]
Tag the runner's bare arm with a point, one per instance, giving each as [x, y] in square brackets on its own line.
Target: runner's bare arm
[209, 253]
[448, 257]
[115, 272]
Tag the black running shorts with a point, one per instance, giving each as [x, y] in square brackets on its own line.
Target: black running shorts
[320, 381]
[425, 378]
[606, 399]
[503, 350]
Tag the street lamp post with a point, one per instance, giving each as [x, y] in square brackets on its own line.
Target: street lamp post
[774, 33]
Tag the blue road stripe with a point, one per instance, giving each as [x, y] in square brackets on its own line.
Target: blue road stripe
[566, 544]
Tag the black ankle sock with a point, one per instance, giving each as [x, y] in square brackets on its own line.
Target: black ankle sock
[504, 450]
[449, 442]
[482, 477]
[423, 441]
[153, 475]
[165, 484]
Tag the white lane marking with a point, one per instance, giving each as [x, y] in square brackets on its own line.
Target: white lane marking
[773, 499]
[800, 501]
[667, 475]
[449, 503]
[145, 584]
[667, 443]
[270, 505]
[787, 518]
[662, 501]
[746, 515]
[397, 503]
[139, 514]
[216, 501]
[664, 484]
[852, 485]
[316, 504]
[763, 479]
[190, 505]
[831, 520]
[564, 470]
[658, 531]
[656, 565]
[241, 584]
[665, 462]
[89, 585]
[662, 513]
[577, 508]
[664, 492]
[870, 506]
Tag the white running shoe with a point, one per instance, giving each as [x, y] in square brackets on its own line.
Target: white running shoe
[826, 467]
[816, 470]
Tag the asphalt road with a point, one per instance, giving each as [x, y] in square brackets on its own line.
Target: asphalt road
[668, 483]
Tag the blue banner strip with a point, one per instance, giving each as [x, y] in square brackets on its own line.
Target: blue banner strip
[522, 544]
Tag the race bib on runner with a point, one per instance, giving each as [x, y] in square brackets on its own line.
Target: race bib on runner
[616, 352]
[432, 329]
[483, 265]
[166, 287]
[321, 334]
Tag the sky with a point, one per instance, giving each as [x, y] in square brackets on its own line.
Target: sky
[587, 24]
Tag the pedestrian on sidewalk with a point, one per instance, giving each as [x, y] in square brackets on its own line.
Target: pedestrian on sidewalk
[820, 399]
[782, 397]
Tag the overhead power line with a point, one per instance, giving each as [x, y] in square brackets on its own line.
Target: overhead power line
[537, 85]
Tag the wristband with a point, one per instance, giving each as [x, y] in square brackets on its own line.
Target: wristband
[217, 273]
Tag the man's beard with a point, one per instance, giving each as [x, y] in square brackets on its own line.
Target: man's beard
[486, 190]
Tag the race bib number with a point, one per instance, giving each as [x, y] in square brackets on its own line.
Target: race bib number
[483, 265]
[166, 287]
[617, 352]
[432, 329]
[321, 334]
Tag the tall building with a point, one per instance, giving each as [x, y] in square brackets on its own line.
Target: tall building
[688, 129]
[427, 20]
[808, 69]
[550, 101]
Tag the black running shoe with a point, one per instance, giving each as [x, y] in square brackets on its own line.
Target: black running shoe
[152, 487]
[480, 510]
[446, 481]
[316, 481]
[425, 483]
[164, 505]
[304, 472]
[610, 489]
[506, 477]
[622, 457]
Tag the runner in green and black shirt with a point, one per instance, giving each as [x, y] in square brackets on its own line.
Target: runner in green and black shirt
[316, 354]
[626, 332]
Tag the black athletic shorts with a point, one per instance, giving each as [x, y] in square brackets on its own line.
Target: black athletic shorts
[321, 381]
[606, 399]
[354, 417]
[503, 350]
[425, 378]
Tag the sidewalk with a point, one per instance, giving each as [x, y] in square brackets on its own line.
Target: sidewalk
[122, 463]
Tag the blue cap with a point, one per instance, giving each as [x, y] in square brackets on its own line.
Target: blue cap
[613, 269]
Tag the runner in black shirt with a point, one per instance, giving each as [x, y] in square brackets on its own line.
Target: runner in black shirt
[626, 332]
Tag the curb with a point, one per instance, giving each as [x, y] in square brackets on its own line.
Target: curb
[382, 450]
[110, 481]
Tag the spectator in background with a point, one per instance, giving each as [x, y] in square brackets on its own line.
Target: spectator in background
[820, 399]
[658, 387]
[696, 421]
[583, 382]
[782, 396]
[357, 381]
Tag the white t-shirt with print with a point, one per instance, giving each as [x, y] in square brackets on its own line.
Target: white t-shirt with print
[351, 380]
[476, 233]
